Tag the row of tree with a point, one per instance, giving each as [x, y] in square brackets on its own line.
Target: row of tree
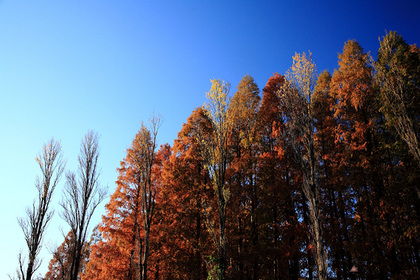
[319, 176]
[81, 196]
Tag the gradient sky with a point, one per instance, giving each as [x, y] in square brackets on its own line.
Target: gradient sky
[70, 66]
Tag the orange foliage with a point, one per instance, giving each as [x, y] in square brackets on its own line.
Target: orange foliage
[369, 215]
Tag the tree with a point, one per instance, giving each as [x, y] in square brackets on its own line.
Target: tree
[252, 191]
[141, 157]
[215, 155]
[82, 195]
[336, 203]
[243, 149]
[281, 234]
[109, 257]
[296, 98]
[124, 251]
[398, 79]
[60, 264]
[357, 146]
[38, 216]
[184, 243]
[398, 75]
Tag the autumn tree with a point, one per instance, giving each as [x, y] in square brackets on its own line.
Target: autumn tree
[398, 76]
[59, 266]
[264, 191]
[125, 249]
[357, 145]
[296, 97]
[38, 216]
[280, 234]
[141, 158]
[184, 243]
[398, 79]
[215, 156]
[82, 195]
[60, 263]
[337, 201]
[109, 257]
[242, 179]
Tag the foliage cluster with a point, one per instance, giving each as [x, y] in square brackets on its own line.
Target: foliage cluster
[317, 174]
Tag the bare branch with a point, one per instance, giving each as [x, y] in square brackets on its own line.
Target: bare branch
[38, 216]
[82, 194]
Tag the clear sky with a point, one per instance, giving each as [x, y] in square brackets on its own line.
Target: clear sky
[70, 66]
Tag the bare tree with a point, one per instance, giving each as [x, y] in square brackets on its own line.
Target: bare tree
[82, 194]
[296, 98]
[38, 216]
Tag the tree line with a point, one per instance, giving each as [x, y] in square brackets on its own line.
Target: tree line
[315, 177]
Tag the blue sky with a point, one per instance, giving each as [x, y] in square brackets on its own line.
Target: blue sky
[70, 66]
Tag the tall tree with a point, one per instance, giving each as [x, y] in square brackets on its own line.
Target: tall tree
[124, 251]
[398, 79]
[357, 146]
[110, 256]
[281, 235]
[296, 97]
[142, 154]
[215, 155]
[184, 242]
[155, 257]
[38, 216]
[398, 76]
[242, 179]
[82, 194]
[336, 202]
